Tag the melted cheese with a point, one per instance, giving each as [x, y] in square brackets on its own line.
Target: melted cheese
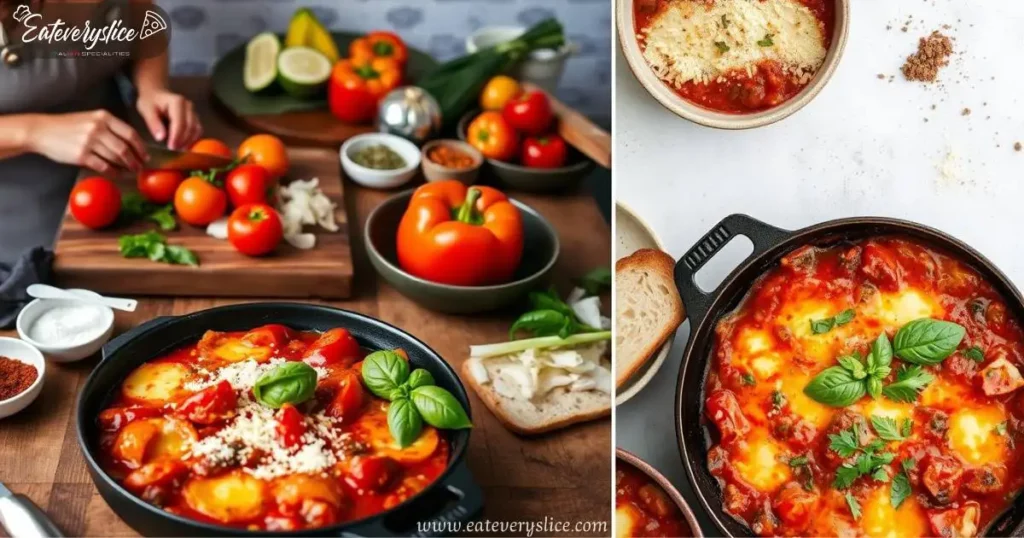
[800, 404]
[819, 348]
[974, 435]
[626, 518]
[880, 519]
[894, 310]
[759, 464]
[943, 393]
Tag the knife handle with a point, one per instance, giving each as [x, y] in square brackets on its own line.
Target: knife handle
[23, 519]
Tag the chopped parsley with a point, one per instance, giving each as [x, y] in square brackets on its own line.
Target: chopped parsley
[899, 490]
[910, 380]
[975, 354]
[822, 326]
[889, 430]
[725, 21]
[778, 398]
[748, 379]
[1001, 428]
[851, 501]
[869, 461]
[798, 461]
[767, 42]
[722, 46]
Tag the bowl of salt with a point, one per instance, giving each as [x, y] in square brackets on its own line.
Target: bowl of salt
[66, 330]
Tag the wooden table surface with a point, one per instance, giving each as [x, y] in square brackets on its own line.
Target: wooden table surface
[565, 476]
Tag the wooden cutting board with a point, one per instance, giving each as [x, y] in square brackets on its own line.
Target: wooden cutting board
[90, 259]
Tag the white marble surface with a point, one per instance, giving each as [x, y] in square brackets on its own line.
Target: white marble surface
[862, 147]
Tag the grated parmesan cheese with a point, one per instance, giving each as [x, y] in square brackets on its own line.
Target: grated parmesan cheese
[692, 41]
[242, 375]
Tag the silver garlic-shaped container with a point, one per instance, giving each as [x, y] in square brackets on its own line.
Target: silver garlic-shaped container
[409, 112]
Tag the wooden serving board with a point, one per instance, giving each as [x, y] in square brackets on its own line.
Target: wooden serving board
[90, 259]
[296, 121]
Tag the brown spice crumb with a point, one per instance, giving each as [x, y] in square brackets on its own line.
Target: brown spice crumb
[881, 76]
[1017, 146]
[965, 112]
[932, 54]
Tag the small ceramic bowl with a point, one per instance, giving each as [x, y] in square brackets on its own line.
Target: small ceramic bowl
[538, 180]
[631, 235]
[380, 179]
[61, 353]
[624, 21]
[436, 172]
[13, 348]
[540, 252]
[543, 67]
[628, 458]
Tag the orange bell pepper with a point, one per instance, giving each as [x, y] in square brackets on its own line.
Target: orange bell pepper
[458, 235]
[379, 44]
[357, 86]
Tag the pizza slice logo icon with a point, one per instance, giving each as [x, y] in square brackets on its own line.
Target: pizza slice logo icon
[153, 23]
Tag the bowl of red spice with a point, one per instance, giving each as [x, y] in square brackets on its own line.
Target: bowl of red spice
[21, 375]
[451, 159]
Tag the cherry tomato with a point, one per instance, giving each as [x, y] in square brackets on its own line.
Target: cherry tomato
[529, 112]
[112, 420]
[198, 202]
[255, 229]
[372, 473]
[498, 91]
[547, 151]
[290, 426]
[95, 202]
[159, 186]
[210, 405]
[267, 151]
[336, 346]
[348, 399]
[272, 335]
[211, 146]
[248, 184]
[493, 136]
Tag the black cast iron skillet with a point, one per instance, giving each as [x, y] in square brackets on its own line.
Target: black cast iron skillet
[454, 496]
[704, 309]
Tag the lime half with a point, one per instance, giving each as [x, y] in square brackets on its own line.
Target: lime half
[261, 62]
[302, 71]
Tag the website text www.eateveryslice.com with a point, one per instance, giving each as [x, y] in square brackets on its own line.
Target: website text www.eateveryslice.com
[547, 527]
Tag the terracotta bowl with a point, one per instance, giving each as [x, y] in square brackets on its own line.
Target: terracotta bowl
[670, 490]
[710, 118]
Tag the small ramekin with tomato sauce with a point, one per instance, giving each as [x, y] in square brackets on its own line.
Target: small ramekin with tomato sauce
[732, 64]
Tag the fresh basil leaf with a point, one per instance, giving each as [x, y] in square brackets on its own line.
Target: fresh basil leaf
[383, 372]
[886, 428]
[539, 323]
[404, 422]
[927, 341]
[596, 280]
[419, 378]
[874, 386]
[822, 326]
[910, 380]
[549, 300]
[881, 353]
[836, 387]
[899, 490]
[845, 316]
[291, 382]
[439, 408]
[975, 354]
[853, 365]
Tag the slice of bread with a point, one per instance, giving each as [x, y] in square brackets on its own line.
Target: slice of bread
[558, 409]
[648, 309]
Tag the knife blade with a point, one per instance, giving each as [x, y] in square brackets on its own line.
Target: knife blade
[161, 158]
[20, 517]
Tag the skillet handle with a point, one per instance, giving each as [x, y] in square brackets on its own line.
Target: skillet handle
[117, 343]
[763, 236]
[465, 503]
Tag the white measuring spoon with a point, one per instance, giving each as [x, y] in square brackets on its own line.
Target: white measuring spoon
[43, 291]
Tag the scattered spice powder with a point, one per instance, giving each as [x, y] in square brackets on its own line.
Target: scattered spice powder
[450, 157]
[1017, 147]
[15, 377]
[965, 112]
[932, 54]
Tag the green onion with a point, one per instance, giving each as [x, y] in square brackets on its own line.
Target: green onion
[515, 346]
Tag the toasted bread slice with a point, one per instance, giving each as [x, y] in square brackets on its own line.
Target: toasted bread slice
[648, 309]
[559, 408]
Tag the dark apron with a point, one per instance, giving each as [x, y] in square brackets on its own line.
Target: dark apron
[33, 189]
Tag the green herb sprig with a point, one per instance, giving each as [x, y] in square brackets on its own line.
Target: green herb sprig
[596, 280]
[291, 383]
[153, 245]
[550, 316]
[134, 207]
[822, 326]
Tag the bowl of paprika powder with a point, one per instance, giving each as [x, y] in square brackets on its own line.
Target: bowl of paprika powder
[21, 375]
[458, 249]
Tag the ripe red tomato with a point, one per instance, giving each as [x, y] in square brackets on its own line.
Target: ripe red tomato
[248, 184]
[372, 473]
[159, 186]
[95, 202]
[529, 112]
[255, 229]
[199, 202]
[547, 151]
[333, 347]
[211, 146]
[348, 399]
[290, 427]
[210, 405]
[493, 136]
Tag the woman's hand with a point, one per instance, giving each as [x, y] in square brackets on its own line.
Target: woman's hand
[158, 107]
[95, 139]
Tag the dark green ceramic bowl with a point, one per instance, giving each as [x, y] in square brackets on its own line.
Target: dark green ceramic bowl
[537, 180]
[540, 251]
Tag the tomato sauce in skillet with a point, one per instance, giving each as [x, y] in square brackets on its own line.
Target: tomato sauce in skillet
[754, 87]
[184, 432]
[801, 446]
[642, 508]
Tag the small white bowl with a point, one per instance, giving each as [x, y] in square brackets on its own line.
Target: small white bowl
[380, 179]
[13, 348]
[58, 353]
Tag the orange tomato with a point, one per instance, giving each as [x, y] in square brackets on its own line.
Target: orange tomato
[198, 202]
[493, 136]
[211, 146]
[267, 151]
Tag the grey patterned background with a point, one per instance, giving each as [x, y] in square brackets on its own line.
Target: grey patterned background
[205, 29]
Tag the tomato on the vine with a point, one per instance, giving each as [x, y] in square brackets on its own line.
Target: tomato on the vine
[248, 184]
[199, 202]
[255, 229]
[95, 202]
[547, 151]
[159, 186]
[529, 112]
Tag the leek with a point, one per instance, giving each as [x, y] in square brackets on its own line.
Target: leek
[515, 346]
